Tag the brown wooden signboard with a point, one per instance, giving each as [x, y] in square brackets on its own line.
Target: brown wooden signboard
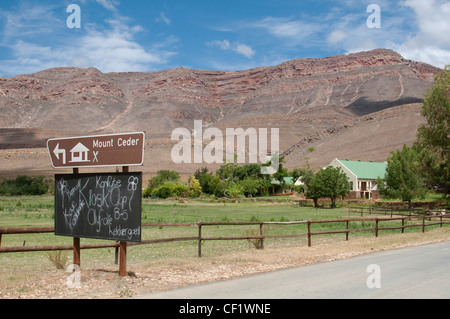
[95, 151]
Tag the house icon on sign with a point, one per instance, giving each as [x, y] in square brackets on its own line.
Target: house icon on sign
[79, 153]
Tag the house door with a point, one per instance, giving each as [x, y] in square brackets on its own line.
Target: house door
[363, 186]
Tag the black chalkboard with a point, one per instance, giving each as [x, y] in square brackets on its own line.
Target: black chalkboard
[101, 206]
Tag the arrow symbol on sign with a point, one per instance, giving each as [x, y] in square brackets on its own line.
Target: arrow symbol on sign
[58, 151]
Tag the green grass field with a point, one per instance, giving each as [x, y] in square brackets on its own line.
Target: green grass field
[38, 212]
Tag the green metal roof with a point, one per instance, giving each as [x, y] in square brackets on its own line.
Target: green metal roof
[369, 170]
[287, 180]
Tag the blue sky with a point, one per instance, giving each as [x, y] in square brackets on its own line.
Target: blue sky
[138, 35]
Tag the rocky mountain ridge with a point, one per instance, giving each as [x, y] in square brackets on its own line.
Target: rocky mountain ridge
[309, 100]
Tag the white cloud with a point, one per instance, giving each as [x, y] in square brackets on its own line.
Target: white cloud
[431, 42]
[163, 18]
[293, 30]
[237, 47]
[336, 36]
[29, 20]
[416, 29]
[224, 44]
[111, 48]
[245, 50]
[109, 4]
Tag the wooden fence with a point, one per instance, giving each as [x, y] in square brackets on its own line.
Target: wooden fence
[200, 237]
[396, 211]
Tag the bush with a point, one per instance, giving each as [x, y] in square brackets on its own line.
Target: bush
[195, 190]
[170, 189]
[25, 185]
[163, 176]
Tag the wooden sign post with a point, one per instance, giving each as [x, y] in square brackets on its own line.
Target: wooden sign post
[76, 240]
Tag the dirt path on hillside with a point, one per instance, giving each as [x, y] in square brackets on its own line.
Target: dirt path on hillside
[104, 283]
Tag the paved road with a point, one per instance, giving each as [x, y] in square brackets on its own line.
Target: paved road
[415, 272]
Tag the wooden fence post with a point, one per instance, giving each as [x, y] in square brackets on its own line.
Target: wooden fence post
[76, 252]
[123, 259]
[346, 227]
[116, 254]
[261, 232]
[199, 239]
[423, 224]
[403, 225]
[376, 227]
[76, 241]
[309, 233]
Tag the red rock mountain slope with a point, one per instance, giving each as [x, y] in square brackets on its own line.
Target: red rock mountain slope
[356, 106]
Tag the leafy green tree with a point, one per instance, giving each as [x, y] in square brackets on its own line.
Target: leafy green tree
[252, 186]
[220, 189]
[234, 190]
[162, 177]
[402, 179]
[314, 191]
[247, 171]
[226, 171]
[306, 175]
[433, 138]
[328, 182]
[204, 180]
[200, 172]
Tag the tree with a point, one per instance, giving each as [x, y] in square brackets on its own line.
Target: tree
[314, 191]
[307, 175]
[433, 138]
[226, 171]
[247, 171]
[329, 182]
[163, 176]
[234, 190]
[252, 186]
[402, 179]
[195, 190]
[200, 172]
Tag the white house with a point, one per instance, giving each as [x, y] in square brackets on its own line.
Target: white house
[362, 176]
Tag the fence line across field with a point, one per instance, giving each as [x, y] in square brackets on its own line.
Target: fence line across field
[395, 211]
[201, 225]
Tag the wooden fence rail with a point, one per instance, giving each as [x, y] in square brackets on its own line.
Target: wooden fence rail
[200, 237]
[396, 211]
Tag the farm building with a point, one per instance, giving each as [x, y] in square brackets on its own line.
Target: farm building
[362, 176]
[287, 181]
